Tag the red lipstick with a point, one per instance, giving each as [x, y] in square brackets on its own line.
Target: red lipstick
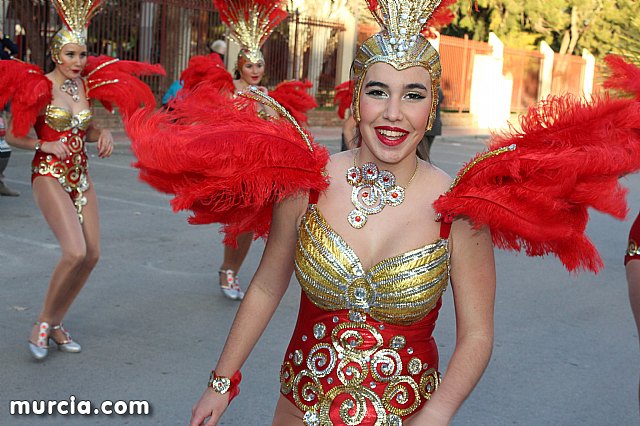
[391, 136]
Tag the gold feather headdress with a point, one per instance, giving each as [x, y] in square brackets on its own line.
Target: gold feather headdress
[399, 44]
[75, 15]
[250, 23]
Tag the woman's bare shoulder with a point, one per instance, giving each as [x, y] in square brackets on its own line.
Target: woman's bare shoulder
[438, 178]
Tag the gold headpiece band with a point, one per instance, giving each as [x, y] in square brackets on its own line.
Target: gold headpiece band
[250, 23]
[75, 15]
[399, 44]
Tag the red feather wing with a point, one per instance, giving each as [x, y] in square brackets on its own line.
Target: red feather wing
[293, 96]
[624, 75]
[567, 157]
[222, 162]
[29, 91]
[112, 81]
[209, 68]
[343, 97]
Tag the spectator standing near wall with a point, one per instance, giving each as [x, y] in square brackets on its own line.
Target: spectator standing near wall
[9, 48]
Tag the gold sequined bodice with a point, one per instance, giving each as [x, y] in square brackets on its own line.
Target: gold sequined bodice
[399, 290]
[61, 119]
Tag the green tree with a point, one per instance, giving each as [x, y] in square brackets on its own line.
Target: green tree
[601, 26]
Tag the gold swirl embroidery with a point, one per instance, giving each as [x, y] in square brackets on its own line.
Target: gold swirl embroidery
[348, 340]
[309, 390]
[385, 365]
[633, 249]
[353, 405]
[429, 382]
[322, 359]
[352, 371]
[398, 394]
[287, 376]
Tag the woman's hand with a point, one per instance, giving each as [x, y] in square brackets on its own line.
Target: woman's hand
[56, 148]
[263, 90]
[211, 405]
[105, 143]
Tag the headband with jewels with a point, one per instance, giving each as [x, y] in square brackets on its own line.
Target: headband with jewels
[399, 44]
[75, 16]
[250, 23]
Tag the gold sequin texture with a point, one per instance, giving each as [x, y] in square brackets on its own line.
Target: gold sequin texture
[399, 290]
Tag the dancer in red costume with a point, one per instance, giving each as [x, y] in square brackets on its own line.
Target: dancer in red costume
[250, 24]
[58, 106]
[626, 77]
[375, 235]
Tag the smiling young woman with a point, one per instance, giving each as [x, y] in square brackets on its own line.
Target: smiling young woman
[373, 263]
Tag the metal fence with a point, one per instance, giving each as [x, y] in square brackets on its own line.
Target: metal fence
[523, 66]
[456, 55]
[169, 32]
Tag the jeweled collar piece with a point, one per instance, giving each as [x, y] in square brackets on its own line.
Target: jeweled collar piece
[373, 189]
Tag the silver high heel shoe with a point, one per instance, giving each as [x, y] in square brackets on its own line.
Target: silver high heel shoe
[40, 350]
[230, 288]
[67, 345]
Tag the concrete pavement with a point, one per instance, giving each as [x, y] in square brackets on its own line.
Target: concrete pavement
[152, 320]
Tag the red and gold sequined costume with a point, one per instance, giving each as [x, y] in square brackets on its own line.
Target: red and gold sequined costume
[362, 352]
[59, 124]
[106, 79]
[633, 248]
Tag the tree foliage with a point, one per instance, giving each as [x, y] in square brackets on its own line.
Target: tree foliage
[568, 26]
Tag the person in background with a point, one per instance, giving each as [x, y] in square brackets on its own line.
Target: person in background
[220, 47]
[9, 48]
[5, 153]
[171, 92]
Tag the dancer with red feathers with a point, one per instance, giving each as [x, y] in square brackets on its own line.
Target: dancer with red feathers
[250, 24]
[375, 235]
[58, 106]
[625, 77]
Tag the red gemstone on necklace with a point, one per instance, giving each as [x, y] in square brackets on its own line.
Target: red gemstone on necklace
[386, 179]
[365, 194]
[394, 195]
[353, 175]
[358, 219]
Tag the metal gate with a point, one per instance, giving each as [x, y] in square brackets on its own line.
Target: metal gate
[169, 32]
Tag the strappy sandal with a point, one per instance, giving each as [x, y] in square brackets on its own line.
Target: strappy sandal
[229, 284]
[68, 344]
[39, 350]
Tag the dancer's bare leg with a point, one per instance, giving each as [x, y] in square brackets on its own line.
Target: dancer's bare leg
[74, 265]
[234, 257]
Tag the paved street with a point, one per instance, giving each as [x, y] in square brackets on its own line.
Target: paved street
[152, 320]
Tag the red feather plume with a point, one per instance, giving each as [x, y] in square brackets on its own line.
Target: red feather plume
[568, 157]
[343, 97]
[29, 91]
[441, 17]
[222, 162]
[293, 96]
[269, 13]
[624, 75]
[112, 81]
[208, 68]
